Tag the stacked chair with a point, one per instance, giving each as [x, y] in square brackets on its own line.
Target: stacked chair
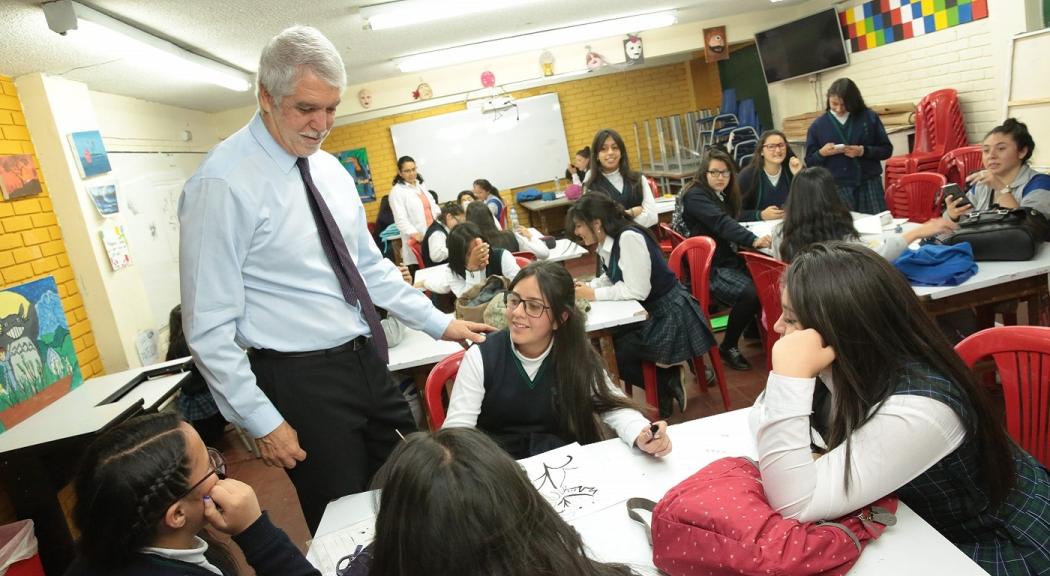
[960, 163]
[939, 128]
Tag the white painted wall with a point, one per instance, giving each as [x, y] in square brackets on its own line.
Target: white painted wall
[970, 58]
[133, 125]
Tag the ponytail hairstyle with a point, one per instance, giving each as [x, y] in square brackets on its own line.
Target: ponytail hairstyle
[1018, 132]
[814, 212]
[400, 164]
[581, 391]
[585, 152]
[488, 188]
[127, 480]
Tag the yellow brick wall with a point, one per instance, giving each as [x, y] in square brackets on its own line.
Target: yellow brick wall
[31, 244]
[608, 101]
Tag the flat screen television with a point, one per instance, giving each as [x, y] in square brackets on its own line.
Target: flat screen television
[806, 46]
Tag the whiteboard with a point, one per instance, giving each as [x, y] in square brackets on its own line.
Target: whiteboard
[509, 148]
[1028, 97]
[149, 185]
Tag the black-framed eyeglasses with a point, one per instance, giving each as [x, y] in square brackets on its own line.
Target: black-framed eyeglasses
[217, 467]
[775, 146]
[533, 308]
[719, 173]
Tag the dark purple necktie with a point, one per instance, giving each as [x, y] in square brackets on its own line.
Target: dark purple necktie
[350, 281]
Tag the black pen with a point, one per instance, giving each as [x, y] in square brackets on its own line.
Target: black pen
[653, 429]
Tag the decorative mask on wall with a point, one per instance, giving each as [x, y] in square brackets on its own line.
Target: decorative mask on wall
[632, 50]
[594, 59]
[364, 97]
[422, 92]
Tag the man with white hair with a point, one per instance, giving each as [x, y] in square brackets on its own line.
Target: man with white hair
[276, 258]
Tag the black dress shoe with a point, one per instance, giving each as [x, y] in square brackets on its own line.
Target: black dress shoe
[734, 359]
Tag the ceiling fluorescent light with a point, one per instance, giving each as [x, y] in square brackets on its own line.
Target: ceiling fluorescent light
[535, 41]
[95, 27]
[412, 12]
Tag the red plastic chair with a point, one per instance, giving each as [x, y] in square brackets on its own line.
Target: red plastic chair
[698, 251]
[529, 256]
[939, 128]
[916, 197]
[1022, 358]
[522, 261]
[960, 163]
[439, 384]
[766, 273]
[669, 239]
[417, 251]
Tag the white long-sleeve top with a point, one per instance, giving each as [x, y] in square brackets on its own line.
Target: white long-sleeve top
[635, 265]
[534, 245]
[648, 217]
[907, 435]
[437, 245]
[408, 214]
[449, 281]
[469, 391]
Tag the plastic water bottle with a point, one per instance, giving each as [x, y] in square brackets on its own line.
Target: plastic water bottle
[513, 218]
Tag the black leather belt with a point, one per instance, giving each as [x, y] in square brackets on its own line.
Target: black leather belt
[350, 346]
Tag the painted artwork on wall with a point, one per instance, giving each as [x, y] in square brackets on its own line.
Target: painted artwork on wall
[104, 197]
[18, 177]
[38, 363]
[878, 22]
[356, 163]
[92, 159]
[116, 244]
[716, 44]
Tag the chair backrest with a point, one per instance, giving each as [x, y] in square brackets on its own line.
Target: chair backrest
[939, 123]
[440, 379]
[957, 164]
[522, 260]
[417, 251]
[698, 252]
[916, 197]
[766, 273]
[669, 233]
[747, 115]
[728, 101]
[1022, 358]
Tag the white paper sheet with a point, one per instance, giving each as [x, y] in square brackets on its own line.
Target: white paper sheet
[572, 482]
[325, 551]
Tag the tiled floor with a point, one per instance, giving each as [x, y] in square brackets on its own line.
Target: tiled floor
[277, 495]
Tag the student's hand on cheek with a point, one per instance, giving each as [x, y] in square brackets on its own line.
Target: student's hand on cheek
[584, 291]
[658, 446]
[239, 506]
[801, 354]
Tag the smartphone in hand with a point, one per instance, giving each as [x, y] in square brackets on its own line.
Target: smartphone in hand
[952, 191]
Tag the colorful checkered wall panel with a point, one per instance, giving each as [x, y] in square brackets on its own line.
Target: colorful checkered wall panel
[877, 22]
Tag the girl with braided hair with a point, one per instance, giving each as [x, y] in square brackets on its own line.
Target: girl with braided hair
[145, 491]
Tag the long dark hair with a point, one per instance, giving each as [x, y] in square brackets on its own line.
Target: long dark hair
[400, 163]
[581, 390]
[453, 503]
[479, 214]
[732, 191]
[848, 92]
[753, 171]
[459, 240]
[814, 212]
[1018, 132]
[449, 209]
[867, 312]
[630, 177]
[128, 477]
[597, 206]
[177, 346]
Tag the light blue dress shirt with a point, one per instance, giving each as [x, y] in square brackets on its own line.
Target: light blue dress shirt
[254, 275]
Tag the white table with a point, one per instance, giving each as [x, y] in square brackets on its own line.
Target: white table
[910, 547]
[37, 454]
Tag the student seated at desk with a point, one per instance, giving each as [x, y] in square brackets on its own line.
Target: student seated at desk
[633, 268]
[1007, 180]
[435, 241]
[710, 207]
[485, 192]
[764, 183]
[613, 177]
[815, 212]
[517, 240]
[454, 504]
[863, 374]
[145, 492]
[470, 261]
[539, 384]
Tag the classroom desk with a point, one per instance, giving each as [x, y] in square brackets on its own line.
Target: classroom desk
[38, 454]
[910, 547]
[548, 215]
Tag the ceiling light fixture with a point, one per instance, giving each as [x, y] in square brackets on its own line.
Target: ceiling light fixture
[535, 41]
[411, 12]
[64, 16]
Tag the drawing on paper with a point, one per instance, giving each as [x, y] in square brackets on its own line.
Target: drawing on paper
[556, 484]
[326, 551]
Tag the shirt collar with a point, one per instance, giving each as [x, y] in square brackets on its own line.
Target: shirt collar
[281, 157]
[607, 245]
[539, 358]
[1023, 176]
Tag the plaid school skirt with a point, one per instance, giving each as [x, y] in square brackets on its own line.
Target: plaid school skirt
[728, 284]
[868, 197]
[677, 330]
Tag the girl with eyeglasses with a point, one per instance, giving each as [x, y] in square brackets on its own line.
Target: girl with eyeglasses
[146, 490]
[632, 267]
[851, 142]
[710, 207]
[765, 183]
[540, 384]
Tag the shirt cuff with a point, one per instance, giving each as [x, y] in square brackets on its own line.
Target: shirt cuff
[787, 397]
[436, 324]
[263, 420]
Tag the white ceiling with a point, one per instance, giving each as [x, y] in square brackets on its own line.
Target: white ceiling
[234, 31]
